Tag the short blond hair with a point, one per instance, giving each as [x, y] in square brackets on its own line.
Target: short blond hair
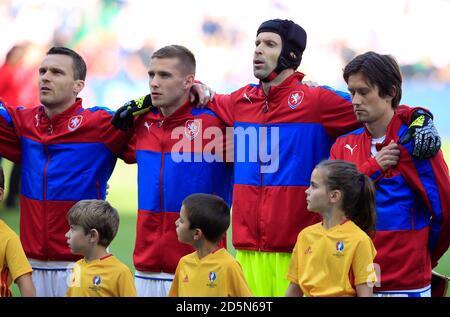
[95, 214]
[185, 57]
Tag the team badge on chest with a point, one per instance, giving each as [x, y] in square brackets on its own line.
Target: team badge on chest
[96, 280]
[74, 123]
[212, 277]
[340, 246]
[295, 99]
[192, 128]
[339, 249]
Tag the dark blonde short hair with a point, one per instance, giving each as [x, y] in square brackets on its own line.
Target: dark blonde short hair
[95, 214]
[184, 55]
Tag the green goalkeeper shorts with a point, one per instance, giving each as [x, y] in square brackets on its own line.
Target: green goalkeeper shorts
[265, 272]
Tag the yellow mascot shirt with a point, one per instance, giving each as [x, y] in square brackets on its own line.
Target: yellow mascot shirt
[105, 277]
[13, 262]
[216, 275]
[331, 262]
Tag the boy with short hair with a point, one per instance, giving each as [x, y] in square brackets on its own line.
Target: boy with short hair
[14, 265]
[93, 225]
[209, 271]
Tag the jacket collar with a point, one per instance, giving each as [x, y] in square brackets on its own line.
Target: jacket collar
[183, 111]
[73, 110]
[296, 77]
[391, 131]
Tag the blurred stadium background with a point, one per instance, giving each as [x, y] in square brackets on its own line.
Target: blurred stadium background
[117, 38]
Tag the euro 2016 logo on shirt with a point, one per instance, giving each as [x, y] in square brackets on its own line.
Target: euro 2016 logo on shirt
[95, 283]
[74, 123]
[212, 279]
[295, 99]
[96, 280]
[192, 128]
[212, 276]
[339, 248]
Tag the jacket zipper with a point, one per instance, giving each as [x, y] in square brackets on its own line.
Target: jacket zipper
[161, 191]
[264, 109]
[44, 205]
[161, 169]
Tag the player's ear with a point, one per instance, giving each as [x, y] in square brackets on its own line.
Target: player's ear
[391, 95]
[78, 86]
[94, 236]
[189, 81]
[198, 234]
[335, 196]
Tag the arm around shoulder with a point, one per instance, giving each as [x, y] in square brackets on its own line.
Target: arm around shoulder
[223, 107]
[10, 146]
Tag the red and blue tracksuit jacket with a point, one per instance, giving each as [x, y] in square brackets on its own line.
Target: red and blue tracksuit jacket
[173, 162]
[412, 204]
[269, 209]
[65, 159]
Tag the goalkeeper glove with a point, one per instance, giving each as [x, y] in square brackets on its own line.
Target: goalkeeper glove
[123, 118]
[427, 141]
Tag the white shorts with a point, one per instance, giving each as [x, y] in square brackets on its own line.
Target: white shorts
[152, 284]
[421, 292]
[51, 278]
